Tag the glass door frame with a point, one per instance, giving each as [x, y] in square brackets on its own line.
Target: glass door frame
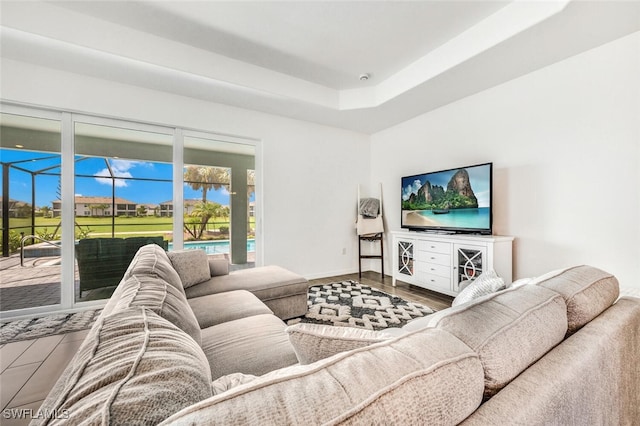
[67, 121]
[46, 114]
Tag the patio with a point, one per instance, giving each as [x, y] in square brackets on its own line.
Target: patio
[33, 285]
[37, 283]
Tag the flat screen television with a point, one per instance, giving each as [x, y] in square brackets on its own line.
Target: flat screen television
[449, 201]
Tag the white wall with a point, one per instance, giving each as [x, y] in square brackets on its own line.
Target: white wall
[310, 171]
[565, 143]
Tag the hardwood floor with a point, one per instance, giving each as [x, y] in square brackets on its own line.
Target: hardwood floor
[412, 293]
[29, 369]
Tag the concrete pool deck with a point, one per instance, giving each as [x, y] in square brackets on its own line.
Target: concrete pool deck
[38, 282]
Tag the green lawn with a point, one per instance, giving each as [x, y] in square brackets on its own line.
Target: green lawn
[100, 226]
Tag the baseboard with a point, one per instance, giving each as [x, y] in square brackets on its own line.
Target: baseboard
[338, 273]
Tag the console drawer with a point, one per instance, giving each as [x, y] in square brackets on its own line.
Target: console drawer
[437, 258]
[435, 281]
[435, 269]
[435, 247]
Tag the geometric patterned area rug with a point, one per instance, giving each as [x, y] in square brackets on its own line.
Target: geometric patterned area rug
[351, 304]
[33, 328]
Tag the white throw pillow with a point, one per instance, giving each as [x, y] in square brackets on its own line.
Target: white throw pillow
[230, 381]
[192, 266]
[313, 342]
[488, 282]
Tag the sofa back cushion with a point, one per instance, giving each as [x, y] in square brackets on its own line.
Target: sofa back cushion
[134, 367]
[427, 377]
[151, 259]
[509, 330]
[150, 282]
[587, 291]
[191, 265]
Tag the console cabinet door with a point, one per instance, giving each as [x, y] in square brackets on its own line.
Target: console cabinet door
[470, 262]
[405, 260]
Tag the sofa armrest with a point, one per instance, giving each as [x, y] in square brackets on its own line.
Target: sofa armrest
[218, 267]
[590, 378]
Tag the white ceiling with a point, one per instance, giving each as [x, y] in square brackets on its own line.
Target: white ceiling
[303, 59]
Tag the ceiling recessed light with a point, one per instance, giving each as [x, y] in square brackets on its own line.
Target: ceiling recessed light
[364, 77]
[19, 146]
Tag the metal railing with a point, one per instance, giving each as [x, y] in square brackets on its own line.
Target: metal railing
[33, 237]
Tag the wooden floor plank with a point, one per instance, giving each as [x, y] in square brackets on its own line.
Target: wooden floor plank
[13, 379]
[74, 336]
[39, 350]
[21, 416]
[42, 381]
[11, 351]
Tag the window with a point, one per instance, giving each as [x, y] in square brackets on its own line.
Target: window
[217, 194]
[112, 181]
[31, 226]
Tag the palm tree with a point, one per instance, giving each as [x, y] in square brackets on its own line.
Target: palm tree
[201, 214]
[206, 178]
[45, 210]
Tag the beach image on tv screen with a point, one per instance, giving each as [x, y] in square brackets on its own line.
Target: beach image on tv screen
[458, 198]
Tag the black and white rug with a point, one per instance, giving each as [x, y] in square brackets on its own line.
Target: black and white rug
[34, 328]
[351, 304]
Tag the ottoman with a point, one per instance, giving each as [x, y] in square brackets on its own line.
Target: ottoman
[253, 345]
[283, 291]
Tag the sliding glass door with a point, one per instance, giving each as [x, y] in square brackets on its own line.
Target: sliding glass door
[80, 195]
[31, 233]
[123, 176]
[219, 190]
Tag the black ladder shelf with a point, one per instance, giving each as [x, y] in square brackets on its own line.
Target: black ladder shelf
[370, 238]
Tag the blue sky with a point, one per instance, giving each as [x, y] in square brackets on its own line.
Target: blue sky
[138, 191]
[478, 177]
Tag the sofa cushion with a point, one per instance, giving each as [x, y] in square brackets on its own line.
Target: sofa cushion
[313, 342]
[587, 291]
[223, 307]
[218, 267]
[266, 282]
[428, 377]
[253, 345]
[151, 259]
[509, 330]
[134, 367]
[191, 265]
[488, 282]
[157, 295]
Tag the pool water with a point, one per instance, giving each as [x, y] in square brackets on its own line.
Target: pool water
[214, 247]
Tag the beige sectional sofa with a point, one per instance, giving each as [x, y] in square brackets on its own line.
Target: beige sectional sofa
[562, 350]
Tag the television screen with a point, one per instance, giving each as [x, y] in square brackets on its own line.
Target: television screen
[456, 200]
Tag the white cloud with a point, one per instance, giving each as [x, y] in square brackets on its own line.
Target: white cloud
[120, 169]
[107, 179]
[411, 189]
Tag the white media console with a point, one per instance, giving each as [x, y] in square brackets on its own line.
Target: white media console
[441, 262]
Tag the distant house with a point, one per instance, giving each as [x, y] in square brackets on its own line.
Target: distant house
[149, 209]
[98, 206]
[17, 208]
[166, 208]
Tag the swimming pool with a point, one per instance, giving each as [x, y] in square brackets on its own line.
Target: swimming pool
[214, 247]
